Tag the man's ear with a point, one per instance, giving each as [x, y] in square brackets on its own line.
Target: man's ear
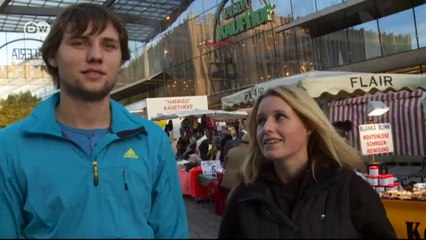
[52, 62]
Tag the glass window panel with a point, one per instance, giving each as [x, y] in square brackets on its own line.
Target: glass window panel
[332, 49]
[420, 13]
[286, 53]
[302, 8]
[364, 41]
[198, 34]
[321, 4]
[209, 4]
[196, 8]
[180, 47]
[283, 10]
[305, 48]
[245, 62]
[256, 5]
[221, 65]
[397, 32]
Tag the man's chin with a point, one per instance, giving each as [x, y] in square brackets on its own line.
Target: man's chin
[89, 95]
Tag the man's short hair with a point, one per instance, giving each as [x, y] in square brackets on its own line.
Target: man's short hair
[76, 19]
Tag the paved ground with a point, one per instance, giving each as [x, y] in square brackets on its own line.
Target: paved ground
[203, 222]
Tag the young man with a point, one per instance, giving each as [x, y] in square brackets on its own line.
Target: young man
[81, 166]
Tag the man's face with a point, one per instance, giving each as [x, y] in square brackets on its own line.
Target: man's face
[88, 65]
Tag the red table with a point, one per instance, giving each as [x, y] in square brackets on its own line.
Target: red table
[198, 191]
[184, 181]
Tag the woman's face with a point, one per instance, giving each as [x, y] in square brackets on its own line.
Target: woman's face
[281, 134]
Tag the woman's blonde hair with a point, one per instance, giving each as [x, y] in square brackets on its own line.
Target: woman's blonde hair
[324, 143]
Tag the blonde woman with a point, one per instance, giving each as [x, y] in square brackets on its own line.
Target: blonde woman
[299, 179]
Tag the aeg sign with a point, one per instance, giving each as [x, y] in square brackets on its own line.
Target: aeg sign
[40, 28]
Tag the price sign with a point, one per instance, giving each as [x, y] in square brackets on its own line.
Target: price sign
[210, 167]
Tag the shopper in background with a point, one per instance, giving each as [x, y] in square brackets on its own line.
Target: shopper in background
[81, 165]
[343, 127]
[169, 130]
[233, 162]
[202, 143]
[190, 148]
[215, 152]
[299, 179]
[193, 161]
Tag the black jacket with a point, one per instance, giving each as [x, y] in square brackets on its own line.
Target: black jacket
[339, 204]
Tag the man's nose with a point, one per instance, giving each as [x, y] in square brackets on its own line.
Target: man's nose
[95, 54]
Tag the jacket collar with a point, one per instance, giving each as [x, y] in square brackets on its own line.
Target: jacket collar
[326, 177]
[43, 119]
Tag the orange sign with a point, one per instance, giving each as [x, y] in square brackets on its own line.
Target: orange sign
[408, 218]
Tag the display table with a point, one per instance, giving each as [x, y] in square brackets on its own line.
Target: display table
[204, 179]
[184, 180]
[198, 191]
[407, 217]
[215, 191]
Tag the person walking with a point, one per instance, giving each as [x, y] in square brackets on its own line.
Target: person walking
[299, 178]
[81, 165]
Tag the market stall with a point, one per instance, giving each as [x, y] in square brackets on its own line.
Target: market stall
[219, 115]
[406, 116]
[406, 211]
[344, 96]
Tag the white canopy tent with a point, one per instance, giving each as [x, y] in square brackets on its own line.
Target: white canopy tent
[344, 95]
[219, 115]
[334, 83]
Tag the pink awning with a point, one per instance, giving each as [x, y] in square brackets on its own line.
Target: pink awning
[406, 116]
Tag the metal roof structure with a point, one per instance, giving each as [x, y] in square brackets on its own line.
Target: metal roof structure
[143, 19]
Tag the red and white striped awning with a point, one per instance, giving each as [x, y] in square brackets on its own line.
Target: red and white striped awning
[406, 116]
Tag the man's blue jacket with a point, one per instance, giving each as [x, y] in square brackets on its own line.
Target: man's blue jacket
[47, 182]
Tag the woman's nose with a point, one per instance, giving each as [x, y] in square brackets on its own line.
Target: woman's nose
[268, 126]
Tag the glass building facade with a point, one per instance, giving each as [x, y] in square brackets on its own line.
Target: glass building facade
[298, 36]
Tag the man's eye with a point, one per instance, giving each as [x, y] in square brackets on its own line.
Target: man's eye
[110, 46]
[79, 44]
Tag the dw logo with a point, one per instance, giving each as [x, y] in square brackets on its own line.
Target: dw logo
[40, 28]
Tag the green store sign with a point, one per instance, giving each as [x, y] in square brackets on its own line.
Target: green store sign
[244, 19]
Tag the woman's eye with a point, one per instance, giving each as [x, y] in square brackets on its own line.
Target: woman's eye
[260, 120]
[280, 116]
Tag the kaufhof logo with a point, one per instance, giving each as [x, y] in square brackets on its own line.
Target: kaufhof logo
[37, 28]
[237, 16]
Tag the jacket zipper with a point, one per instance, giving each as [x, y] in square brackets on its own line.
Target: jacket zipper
[124, 179]
[95, 173]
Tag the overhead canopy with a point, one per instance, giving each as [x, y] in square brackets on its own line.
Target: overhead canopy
[143, 19]
[331, 83]
[218, 115]
[140, 86]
